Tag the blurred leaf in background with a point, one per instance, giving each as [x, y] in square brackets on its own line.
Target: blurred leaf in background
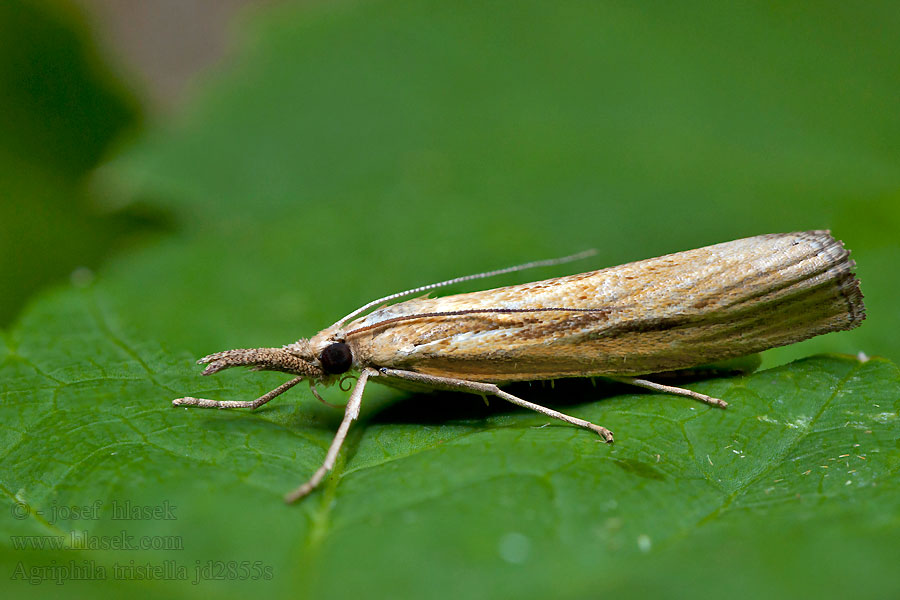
[61, 112]
[361, 149]
[354, 149]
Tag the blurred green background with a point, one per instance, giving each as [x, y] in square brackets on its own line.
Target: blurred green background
[340, 151]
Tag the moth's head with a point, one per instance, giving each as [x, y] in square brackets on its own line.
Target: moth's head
[322, 358]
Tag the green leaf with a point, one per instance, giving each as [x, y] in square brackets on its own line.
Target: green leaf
[357, 149]
[432, 488]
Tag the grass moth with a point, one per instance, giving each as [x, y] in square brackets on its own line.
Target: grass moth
[626, 323]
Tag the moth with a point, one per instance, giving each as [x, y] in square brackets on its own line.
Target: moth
[625, 323]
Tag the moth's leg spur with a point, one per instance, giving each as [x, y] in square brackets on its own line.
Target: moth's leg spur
[350, 414]
[251, 404]
[668, 389]
[475, 387]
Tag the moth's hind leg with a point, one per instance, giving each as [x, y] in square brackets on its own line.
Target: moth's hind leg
[741, 365]
[475, 387]
[669, 389]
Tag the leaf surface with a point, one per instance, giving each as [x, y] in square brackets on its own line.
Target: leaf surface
[360, 149]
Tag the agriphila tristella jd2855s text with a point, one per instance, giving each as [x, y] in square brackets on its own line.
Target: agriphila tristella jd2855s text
[663, 314]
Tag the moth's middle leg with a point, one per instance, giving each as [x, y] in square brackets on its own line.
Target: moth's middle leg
[476, 387]
[351, 412]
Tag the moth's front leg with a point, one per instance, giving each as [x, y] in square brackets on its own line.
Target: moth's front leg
[258, 359]
[251, 404]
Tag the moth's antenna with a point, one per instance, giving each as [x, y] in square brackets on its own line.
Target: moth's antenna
[538, 263]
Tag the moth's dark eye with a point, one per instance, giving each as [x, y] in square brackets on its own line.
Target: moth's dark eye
[336, 358]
